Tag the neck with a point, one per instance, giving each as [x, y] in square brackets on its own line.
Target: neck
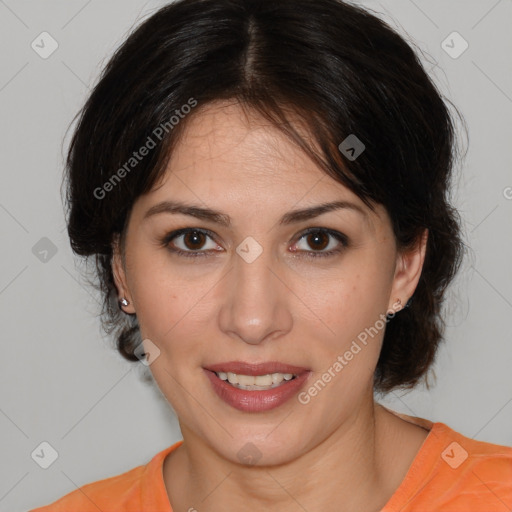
[350, 468]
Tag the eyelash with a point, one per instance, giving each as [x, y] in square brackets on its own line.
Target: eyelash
[310, 254]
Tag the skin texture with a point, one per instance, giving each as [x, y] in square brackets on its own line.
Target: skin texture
[341, 451]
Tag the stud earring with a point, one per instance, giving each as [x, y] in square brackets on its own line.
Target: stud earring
[124, 302]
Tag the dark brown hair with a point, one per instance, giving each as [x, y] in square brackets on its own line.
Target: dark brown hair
[340, 69]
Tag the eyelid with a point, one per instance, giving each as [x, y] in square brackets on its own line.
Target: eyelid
[340, 237]
[183, 231]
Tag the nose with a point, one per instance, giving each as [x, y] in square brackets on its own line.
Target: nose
[256, 300]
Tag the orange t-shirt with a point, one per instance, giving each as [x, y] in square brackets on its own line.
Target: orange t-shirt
[450, 473]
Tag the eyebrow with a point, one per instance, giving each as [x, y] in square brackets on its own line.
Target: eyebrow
[207, 214]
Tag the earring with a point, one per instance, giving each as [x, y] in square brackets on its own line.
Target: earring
[124, 302]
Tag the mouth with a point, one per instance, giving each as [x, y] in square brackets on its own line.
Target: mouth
[256, 377]
[256, 387]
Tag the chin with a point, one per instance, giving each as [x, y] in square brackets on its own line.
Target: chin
[268, 449]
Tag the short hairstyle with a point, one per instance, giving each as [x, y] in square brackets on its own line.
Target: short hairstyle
[336, 67]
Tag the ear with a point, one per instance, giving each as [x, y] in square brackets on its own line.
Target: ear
[118, 271]
[407, 272]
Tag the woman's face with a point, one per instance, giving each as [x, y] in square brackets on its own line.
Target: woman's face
[260, 289]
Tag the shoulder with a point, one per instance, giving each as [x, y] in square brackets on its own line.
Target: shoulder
[461, 473]
[454, 473]
[131, 491]
[120, 490]
[478, 462]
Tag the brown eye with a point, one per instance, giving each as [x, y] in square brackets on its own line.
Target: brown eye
[318, 240]
[190, 242]
[194, 240]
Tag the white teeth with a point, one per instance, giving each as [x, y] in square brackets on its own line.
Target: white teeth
[270, 380]
[277, 378]
[259, 380]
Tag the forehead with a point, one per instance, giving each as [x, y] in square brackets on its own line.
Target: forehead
[235, 142]
[231, 159]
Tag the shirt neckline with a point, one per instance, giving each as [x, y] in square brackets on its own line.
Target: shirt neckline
[151, 494]
[420, 466]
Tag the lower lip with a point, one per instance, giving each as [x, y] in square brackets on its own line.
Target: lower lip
[256, 401]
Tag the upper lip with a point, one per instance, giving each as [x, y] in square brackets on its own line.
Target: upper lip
[245, 368]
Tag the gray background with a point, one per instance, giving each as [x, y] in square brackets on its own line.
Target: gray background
[60, 381]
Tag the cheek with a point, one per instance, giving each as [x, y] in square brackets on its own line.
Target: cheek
[173, 303]
[348, 322]
[351, 299]
[156, 295]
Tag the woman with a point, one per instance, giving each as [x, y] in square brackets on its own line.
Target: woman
[264, 187]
